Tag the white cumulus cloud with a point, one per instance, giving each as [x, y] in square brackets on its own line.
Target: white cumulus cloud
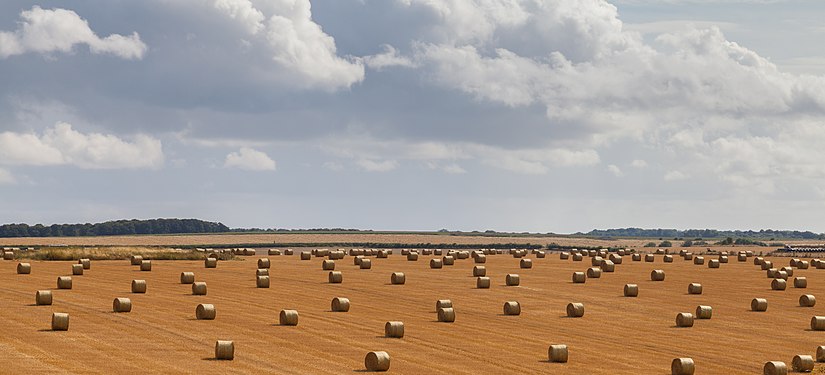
[6, 178]
[60, 30]
[615, 170]
[249, 159]
[296, 43]
[62, 145]
[676, 176]
[377, 165]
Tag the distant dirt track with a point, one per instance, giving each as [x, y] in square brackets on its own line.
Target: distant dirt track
[617, 335]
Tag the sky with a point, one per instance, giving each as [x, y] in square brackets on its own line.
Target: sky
[509, 115]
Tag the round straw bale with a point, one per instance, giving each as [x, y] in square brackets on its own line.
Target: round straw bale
[807, 300]
[210, 263]
[800, 282]
[442, 303]
[138, 286]
[340, 304]
[723, 259]
[446, 314]
[771, 272]
[512, 279]
[687, 256]
[577, 257]
[398, 278]
[483, 282]
[579, 277]
[328, 265]
[682, 366]
[742, 257]
[820, 353]
[86, 263]
[512, 308]
[263, 263]
[427, 252]
[336, 277]
[781, 275]
[289, 252]
[448, 260]
[564, 255]
[365, 264]
[695, 288]
[819, 264]
[394, 329]
[757, 261]
[479, 271]
[649, 258]
[788, 270]
[699, 260]
[636, 257]
[704, 312]
[557, 353]
[766, 264]
[775, 368]
[594, 273]
[259, 272]
[289, 318]
[631, 290]
[778, 284]
[657, 275]
[818, 323]
[684, 320]
[262, 281]
[122, 305]
[480, 259]
[575, 310]
[596, 261]
[438, 252]
[224, 350]
[60, 322]
[24, 268]
[135, 260]
[43, 297]
[357, 260]
[668, 258]
[205, 311]
[541, 254]
[64, 282]
[802, 363]
[377, 361]
[608, 266]
[435, 263]
[616, 259]
[759, 304]
[306, 255]
[526, 263]
[412, 257]
[145, 265]
[199, 288]
[802, 265]
[77, 269]
[187, 277]
[713, 263]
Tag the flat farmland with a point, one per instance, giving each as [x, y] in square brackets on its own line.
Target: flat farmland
[616, 335]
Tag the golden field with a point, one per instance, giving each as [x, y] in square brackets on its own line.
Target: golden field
[616, 335]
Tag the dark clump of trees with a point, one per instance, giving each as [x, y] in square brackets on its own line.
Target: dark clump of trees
[113, 228]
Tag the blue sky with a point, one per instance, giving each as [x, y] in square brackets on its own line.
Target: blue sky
[518, 115]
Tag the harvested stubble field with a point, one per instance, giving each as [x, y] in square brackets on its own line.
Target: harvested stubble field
[616, 335]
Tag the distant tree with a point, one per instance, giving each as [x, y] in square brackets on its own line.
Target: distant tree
[687, 243]
[665, 243]
[650, 244]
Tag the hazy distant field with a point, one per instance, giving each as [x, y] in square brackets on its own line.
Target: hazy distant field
[616, 335]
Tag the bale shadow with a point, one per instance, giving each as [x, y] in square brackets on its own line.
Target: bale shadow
[47, 330]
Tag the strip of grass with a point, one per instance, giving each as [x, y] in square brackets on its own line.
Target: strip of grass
[114, 253]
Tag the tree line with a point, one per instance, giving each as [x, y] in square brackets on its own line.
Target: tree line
[704, 233]
[112, 228]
